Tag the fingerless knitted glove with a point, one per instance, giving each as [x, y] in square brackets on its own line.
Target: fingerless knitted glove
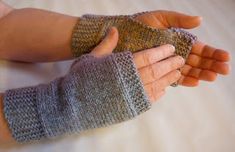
[133, 35]
[96, 92]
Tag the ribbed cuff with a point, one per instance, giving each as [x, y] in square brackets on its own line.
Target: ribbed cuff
[134, 89]
[20, 109]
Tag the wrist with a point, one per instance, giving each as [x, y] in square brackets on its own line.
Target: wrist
[47, 37]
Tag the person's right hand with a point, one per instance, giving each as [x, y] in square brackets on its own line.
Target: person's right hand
[157, 67]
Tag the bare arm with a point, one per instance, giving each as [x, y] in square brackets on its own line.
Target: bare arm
[34, 35]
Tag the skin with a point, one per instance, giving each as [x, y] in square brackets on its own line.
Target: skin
[204, 62]
[146, 62]
[21, 42]
[30, 45]
[157, 67]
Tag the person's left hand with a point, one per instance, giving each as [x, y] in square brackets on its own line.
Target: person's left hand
[204, 61]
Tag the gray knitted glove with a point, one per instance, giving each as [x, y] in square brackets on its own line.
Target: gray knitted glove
[96, 92]
[133, 35]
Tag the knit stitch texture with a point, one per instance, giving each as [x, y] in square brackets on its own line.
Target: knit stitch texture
[134, 36]
[96, 92]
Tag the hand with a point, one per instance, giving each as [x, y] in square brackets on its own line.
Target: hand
[155, 74]
[204, 61]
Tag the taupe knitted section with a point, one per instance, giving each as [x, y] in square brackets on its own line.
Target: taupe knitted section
[133, 35]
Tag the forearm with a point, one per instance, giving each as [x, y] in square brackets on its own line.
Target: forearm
[35, 35]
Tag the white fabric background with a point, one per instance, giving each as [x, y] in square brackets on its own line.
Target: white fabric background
[198, 119]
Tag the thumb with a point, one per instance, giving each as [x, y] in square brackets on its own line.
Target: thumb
[107, 45]
[180, 20]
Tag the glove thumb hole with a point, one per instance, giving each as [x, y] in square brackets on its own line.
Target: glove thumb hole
[107, 45]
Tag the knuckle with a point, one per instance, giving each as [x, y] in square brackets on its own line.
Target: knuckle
[159, 70]
[152, 92]
[176, 62]
[168, 82]
[146, 58]
[175, 76]
[152, 72]
[180, 60]
[161, 84]
[171, 78]
[170, 47]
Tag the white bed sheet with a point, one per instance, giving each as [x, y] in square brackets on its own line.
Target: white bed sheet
[198, 119]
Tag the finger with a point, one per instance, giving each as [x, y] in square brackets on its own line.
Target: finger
[176, 19]
[162, 83]
[155, 71]
[107, 45]
[188, 81]
[156, 96]
[208, 64]
[197, 73]
[168, 79]
[159, 95]
[207, 51]
[150, 56]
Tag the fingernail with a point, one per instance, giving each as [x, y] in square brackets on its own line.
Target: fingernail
[172, 47]
[108, 32]
[199, 17]
[182, 61]
[111, 31]
[178, 73]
